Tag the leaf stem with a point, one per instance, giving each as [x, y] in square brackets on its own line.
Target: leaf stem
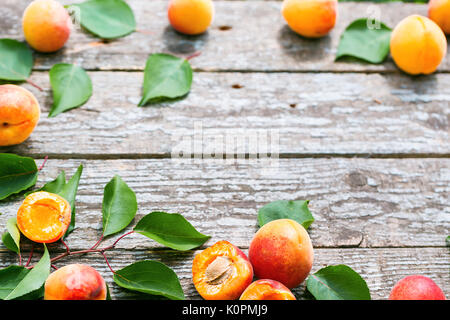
[195, 54]
[98, 242]
[43, 163]
[31, 255]
[34, 85]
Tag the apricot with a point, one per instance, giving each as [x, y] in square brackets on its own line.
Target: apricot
[418, 45]
[190, 16]
[439, 12]
[75, 282]
[221, 272]
[44, 217]
[281, 250]
[266, 289]
[46, 25]
[310, 18]
[416, 287]
[19, 114]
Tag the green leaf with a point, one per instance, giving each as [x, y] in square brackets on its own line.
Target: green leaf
[71, 86]
[166, 77]
[10, 277]
[9, 242]
[151, 277]
[171, 230]
[338, 282]
[119, 206]
[16, 174]
[447, 241]
[361, 42]
[56, 185]
[286, 209]
[69, 192]
[16, 60]
[107, 19]
[14, 233]
[33, 280]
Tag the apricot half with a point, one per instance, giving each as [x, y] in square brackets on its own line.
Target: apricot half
[281, 250]
[416, 287]
[46, 25]
[221, 272]
[266, 289]
[310, 18]
[190, 16]
[439, 12]
[75, 282]
[418, 45]
[44, 217]
[19, 114]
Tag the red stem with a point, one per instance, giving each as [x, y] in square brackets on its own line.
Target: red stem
[31, 255]
[195, 54]
[98, 242]
[34, 85]
[107, 262]
[43, 164]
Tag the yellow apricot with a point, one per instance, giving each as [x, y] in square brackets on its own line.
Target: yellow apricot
[439, 12]
[190, 16]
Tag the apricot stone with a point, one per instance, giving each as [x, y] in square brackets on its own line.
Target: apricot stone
[416, 287]
[46, 25]
[75, 282]
[266, 289]
[310, 18]
[19, 114]
[418, 45]
[281, 250]
[190, 16]
[439, 12]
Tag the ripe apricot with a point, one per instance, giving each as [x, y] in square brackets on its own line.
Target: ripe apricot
[19, 114]
[416, 287]
[221, 272]
[310, 18]
[418, 45]
[281, 250]
[75, 282]
[46, 25]
[266, 289]
[439, 12]
[44, 217]
[190, 16]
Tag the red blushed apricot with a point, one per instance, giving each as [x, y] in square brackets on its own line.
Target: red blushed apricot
[266, 289]
[416, 287]
[281, 250]
[221, 272]
[439, 12]
[75, 282]
[190, 16]
[44, 217]
[19, 114]
[46, 25]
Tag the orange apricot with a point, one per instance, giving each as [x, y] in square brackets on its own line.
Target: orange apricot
[281, 250]
[190, 16]
[75, 282]
[439, 12]
[221, 272]
[418, 45]
[44, 217]
[19, 114]
[266, 289]
[310, 18]
[46, 25]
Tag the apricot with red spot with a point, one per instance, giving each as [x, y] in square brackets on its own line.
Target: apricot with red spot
[266, 289]
[416, 287]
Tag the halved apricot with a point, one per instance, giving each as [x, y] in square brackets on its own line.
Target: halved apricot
[44, 217]
[266, 289]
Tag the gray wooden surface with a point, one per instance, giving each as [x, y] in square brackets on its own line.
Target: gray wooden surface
[366, 144]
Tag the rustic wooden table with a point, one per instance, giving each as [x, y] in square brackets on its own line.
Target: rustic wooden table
[367, 144]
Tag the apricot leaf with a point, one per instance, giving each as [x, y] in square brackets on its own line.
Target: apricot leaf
[16, 60]
[365, 39]
[166, 77]
[151, 277]
[119, 206]
[71, 85]
[286, 209]
[12, 234]
[339, 282]
[16, 174]
[9, 242]
[107, 19]
[69, 192]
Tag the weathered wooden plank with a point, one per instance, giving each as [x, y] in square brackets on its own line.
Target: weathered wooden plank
[381, 268]
[356, 202]
[259, 39]
[302, 114]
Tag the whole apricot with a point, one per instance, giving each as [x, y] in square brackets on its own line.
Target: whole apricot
[281, 250]
[46, 25]
[266, 289]
[190, 16]
[75, 282]
[44, 217]
[418, 45]
[19, 114]
[416, 287]
[310, 18]
[439, 12]
[221, 272]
